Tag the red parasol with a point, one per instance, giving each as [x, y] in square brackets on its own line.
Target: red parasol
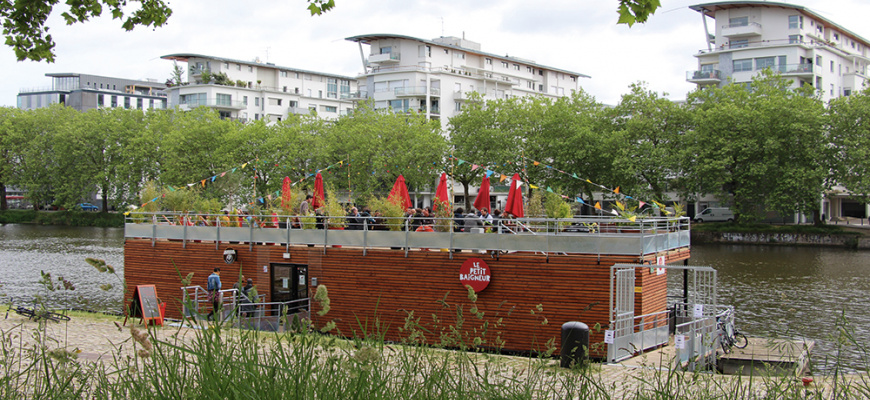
[441, 193]
[482, 199]
[399, 194]
[319, 198]
[514, 204]
[285, 193]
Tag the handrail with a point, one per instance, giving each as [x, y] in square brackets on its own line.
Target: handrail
[578, 235]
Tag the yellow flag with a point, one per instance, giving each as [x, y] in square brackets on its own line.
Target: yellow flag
[243, 165]
[532, 186]
[598, 205]
[616, 190]
[632, 218]
[537, 163]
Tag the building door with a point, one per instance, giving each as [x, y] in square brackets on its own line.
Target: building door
[289, 282]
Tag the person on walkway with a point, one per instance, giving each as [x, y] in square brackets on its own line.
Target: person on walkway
[214, 294]
[248, 297]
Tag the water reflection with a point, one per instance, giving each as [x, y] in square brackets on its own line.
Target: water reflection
[795, 292]
[61, 251]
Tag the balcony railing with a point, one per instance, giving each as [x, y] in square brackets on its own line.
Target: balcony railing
[298, 111]
[358, 95]
[214, 102]
[741, 29]
[706, 76]
[775, 43]
[416, 91]
[793, 69]
[386, 57]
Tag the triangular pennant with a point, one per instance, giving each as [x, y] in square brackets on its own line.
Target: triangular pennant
[598, 205]
[574, 175]
[243, 165]
[460, 162]
[536, 163]
[223, 173]
[579, 200]
[474, 167]
[614, 212]
[191, 184]
[640, 204]
[549, 189]
[213, 178]
[203, 182]
[489, 173]
[616, 190]
[532, 186]
[503, 177]
[632, 218]
[171, 189]
[588, 181]
[234, 170]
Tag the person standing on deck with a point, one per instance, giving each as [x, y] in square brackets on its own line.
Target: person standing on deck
[214, 295]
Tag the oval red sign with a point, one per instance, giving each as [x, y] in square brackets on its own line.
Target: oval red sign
[475, 273]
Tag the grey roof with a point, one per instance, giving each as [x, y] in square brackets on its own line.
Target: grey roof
[366, 39]
[185, 56]
[709, 10]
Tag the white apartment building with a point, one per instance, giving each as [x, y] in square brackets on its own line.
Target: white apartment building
[800, 44]
[435, 77]
[259, 90]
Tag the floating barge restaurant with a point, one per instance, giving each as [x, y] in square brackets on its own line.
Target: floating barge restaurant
[530, 277]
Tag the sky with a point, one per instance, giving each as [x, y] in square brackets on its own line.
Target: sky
[574, 35]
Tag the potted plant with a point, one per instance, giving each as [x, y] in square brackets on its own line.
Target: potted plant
[629, 213]
[390, 212]
[557, 208]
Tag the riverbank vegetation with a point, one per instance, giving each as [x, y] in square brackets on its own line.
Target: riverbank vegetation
[758, 148]
[69, 218]
[724, 227]
[220, 362]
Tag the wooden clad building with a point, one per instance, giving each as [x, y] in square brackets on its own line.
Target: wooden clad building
[378, 290]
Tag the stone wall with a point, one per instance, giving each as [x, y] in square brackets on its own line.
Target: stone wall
[791, 239]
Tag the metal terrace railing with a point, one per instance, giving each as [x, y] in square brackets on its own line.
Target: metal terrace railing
[258, 315]
[577, 235]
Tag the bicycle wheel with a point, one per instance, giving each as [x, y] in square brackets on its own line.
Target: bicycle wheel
[54, 316]
[740, 340]
[25, 312]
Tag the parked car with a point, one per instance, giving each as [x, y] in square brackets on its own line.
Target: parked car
[715, 215]
[87, 207]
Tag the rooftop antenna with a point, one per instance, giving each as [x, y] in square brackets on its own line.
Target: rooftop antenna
[267, 53]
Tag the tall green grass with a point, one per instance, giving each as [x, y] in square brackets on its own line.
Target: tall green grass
[434, 361]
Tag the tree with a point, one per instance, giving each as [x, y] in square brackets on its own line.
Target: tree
[7, 118]
[25, 30]
[632, 11]
[849, 127]
[759, 149]
[649, 132]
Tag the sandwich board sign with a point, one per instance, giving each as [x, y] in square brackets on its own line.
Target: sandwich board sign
[145, 305]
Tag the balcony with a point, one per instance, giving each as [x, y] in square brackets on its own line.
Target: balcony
[741, 30]
[358, 95]
[298, 111]
[704, 77]
[214, 103]
[466, 96]
[805, 69]
[386, 58]
[416, 91]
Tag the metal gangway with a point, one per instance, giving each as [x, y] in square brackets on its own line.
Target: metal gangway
[692, 320]
[260, 315]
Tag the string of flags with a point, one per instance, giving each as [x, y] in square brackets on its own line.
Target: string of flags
[577, 199]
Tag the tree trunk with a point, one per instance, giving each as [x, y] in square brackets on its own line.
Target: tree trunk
[3, 205]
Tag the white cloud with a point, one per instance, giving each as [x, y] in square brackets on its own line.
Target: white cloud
[574, 35]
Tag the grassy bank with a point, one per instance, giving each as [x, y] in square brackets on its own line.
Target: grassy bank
[724, 227]
[69, 218]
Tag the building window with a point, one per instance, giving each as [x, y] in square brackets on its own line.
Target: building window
[765, 62]
[530, 85]
[516, 67]
[344, 86]
[739, 43]
[424, 51]
[837, 36]
[100, 100]
[150, 103]
[193, 99]
[256, 101]
[795, 39]
[386, 50]
[238, 67]
[457, 106]
[320, 94]
[223, 99]
[446, 51]
[819, 60]
[250, 68]
[847, 91]
[127, 102]
[332, 88]
[739, 21]
[329, 109]
[226, 65]
[139, 103]
[399, 105]
[832, 66]
[459, 54]
[285, 89]
[283, 74]
[832, 89]
[245, 100]
[488, 61]
[504, 64]
[742, 65]
[115, 101]
[795, 22]
[529, 70]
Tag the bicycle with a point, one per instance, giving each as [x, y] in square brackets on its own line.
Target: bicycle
[729, 336]
[35, 314]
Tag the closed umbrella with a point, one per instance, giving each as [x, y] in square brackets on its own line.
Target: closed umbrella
[285, 193]
[514, 204]
[319, 198]
[441, 195]
[399, 194]
[482, 199]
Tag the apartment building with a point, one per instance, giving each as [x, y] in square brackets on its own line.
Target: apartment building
[436, 77]
[255, 90]
[747, 37]
[744, 37]
[84, 92]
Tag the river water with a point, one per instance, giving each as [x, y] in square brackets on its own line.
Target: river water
[787, 292]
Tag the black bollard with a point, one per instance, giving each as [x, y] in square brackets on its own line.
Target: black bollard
[575, 344]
